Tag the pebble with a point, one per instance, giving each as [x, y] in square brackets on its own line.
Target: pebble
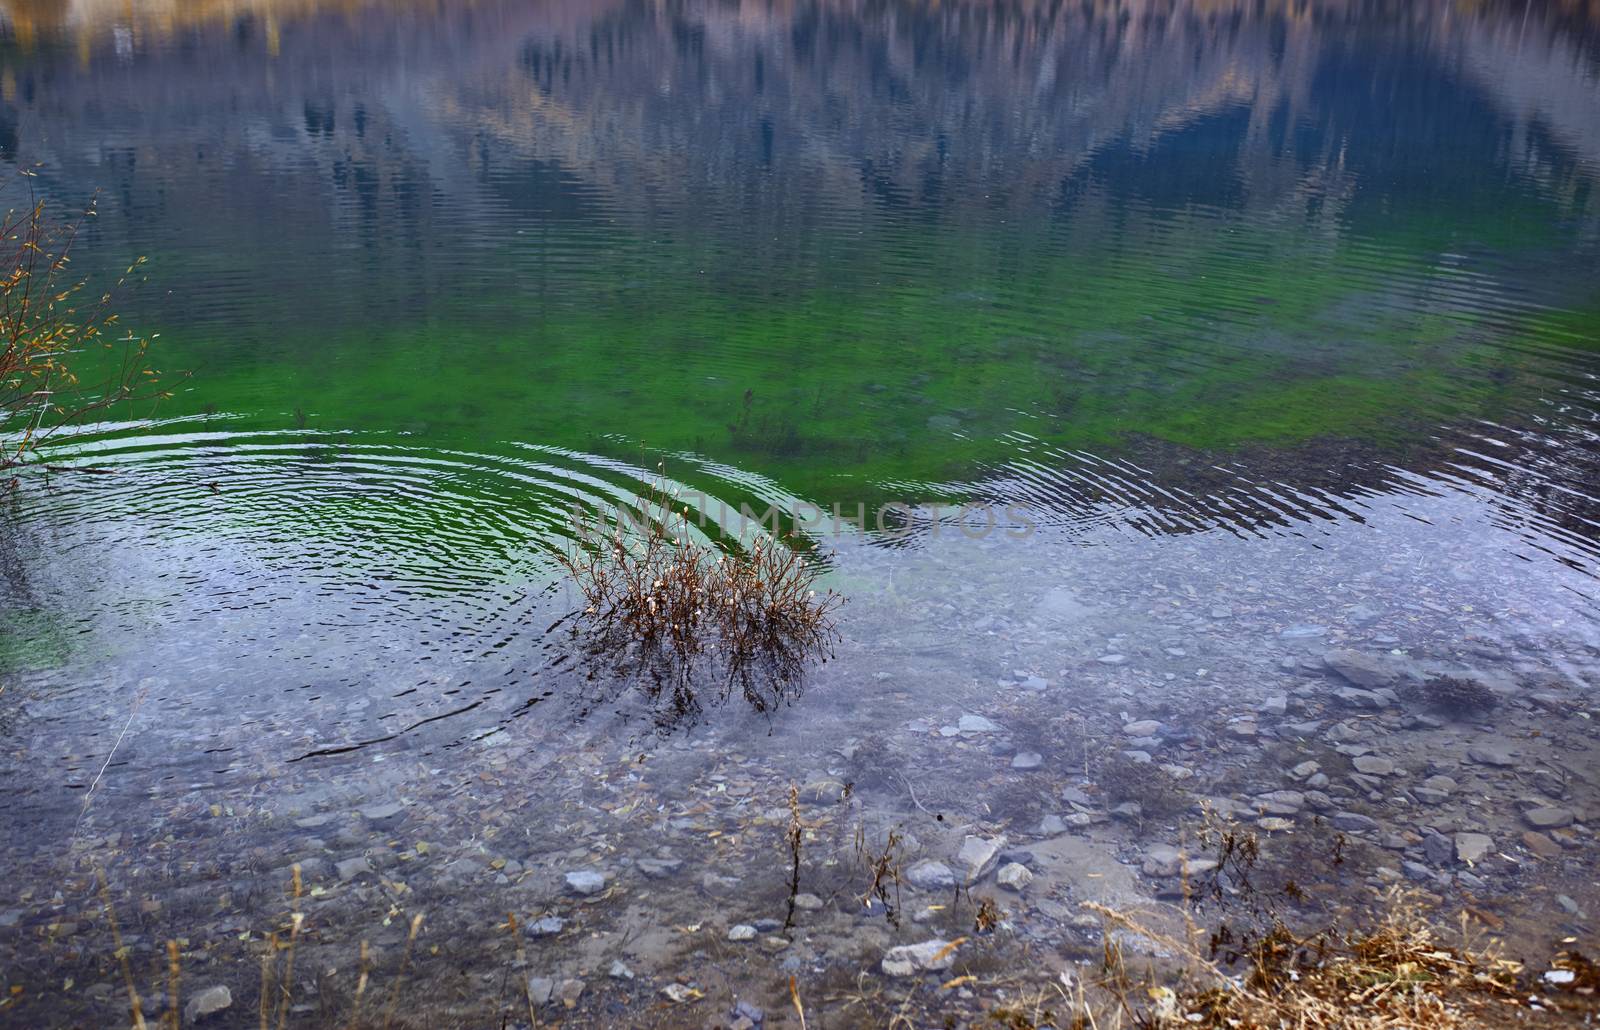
[1027, 760]
[1472, 847]
[1372, 765]
[541, 989]
[1362, 670]
[1305, 769]
[1051, 825]
[570, 991]
[929, 874]
[977, 724]
[659, 868]
[1491, 754]
[1163, 861]
[383, 816]
[619, 971]
[1438, 848]
[912, 958]
[1541, 845]
[586, 882]
[979, 854]
[1142, 728]
[351, 868]
[1353, 822]
[1112, 659]
[742, 932]
[207, 1002]
[1281, 802]
[1548, 818]
[1014, 876]
[549, 926]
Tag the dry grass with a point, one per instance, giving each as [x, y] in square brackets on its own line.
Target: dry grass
[656, 589]
[1398, 975]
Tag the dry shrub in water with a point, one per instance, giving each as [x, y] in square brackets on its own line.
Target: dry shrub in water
[659, 598]
[49, 323]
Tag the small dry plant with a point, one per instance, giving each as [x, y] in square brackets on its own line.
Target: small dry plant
[660, 596]
[54, 331]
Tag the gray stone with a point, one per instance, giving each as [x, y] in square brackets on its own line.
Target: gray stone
[807, 902]
[659, 868]
[929, 874]
[1438, 848]
[570, 991]
[1275, 704]
[1472, 847]
[979, 854]
[541, 989]
[1142, 728]
[742, 932]
[1355, 697]
[1027, 760]
[1112, 659]
[914, 958]
[1051, 825]
[1305, 769]
[1353, 822]
[1363, 670]
[1491, 754]
[1548, 818]
[1372, 765]
[549, 926]
[1014, 876]
[1163, 861]
[383, 816]
[207, 1003]
[977, 724]
[1281, 802]
[822, 792]
[619, 971]
[1417, 871]
[351, 868]
[586, 881]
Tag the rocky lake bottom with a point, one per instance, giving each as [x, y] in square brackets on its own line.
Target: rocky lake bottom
[1015, 728]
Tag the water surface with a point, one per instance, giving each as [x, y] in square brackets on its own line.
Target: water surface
[1268, 330]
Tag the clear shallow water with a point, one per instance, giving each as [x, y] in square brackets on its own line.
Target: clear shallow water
[1277, 325]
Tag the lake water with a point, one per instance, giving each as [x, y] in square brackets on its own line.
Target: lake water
[1198, 384]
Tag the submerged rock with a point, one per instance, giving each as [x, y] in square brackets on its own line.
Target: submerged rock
[979, 855]
[1363, 670]
[207, 1002]
[1548, 818]
[930, 875]
[586, 882]
[977, 724]
[908, 959]
[1472, 847]
[1014, 876]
